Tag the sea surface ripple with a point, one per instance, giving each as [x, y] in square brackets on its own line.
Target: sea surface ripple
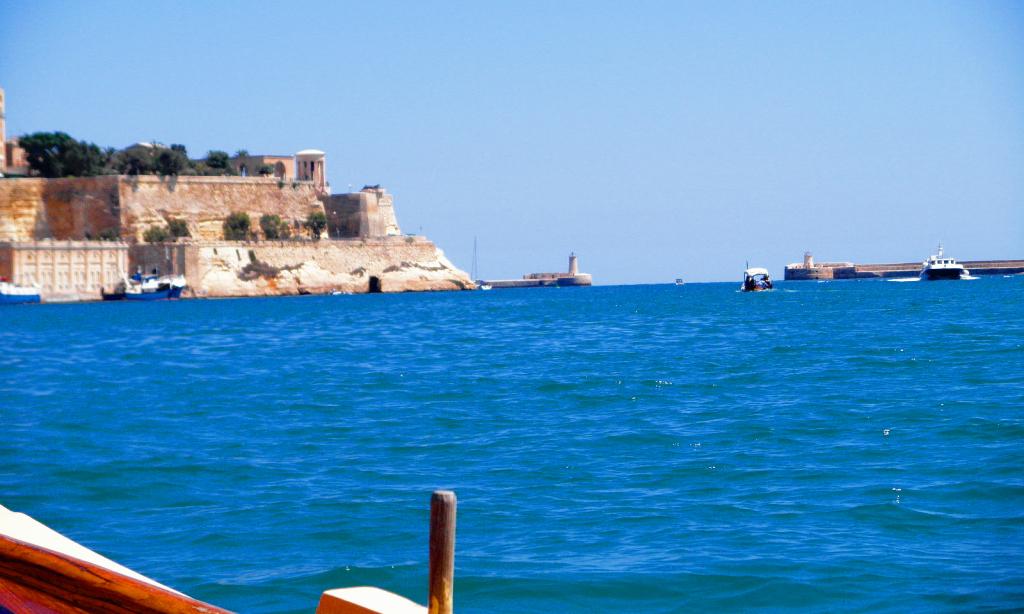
[851, 446]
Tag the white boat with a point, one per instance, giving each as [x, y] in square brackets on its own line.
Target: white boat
[485, 286]
[679, 281]
[11, 294]
[756, 279]
[939, 267]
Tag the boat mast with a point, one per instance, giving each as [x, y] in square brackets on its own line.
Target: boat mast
[473, 272]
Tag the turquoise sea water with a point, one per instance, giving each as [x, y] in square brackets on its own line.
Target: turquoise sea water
[828, 446]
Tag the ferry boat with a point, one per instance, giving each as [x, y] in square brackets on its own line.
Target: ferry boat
[938, 267]
[11, 294]
[679, 281]
[756, 279]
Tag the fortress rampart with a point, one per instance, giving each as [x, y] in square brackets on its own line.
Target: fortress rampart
[64, 209]
[204, 202]
[84, 208]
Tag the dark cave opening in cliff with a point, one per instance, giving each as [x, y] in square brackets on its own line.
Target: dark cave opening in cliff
[374, 285]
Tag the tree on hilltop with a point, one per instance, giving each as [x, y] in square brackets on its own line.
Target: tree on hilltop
[217, 163]
[135, 160]
[171, 162]
[57, 154]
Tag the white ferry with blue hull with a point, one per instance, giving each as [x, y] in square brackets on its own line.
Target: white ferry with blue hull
[11, 294]
[938, 267]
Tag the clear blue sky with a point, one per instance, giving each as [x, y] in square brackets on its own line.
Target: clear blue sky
[657, 139]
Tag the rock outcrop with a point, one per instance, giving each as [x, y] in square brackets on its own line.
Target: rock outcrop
[387, 264]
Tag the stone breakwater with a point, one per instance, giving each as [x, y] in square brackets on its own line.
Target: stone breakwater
[271, 268]
[847, 270]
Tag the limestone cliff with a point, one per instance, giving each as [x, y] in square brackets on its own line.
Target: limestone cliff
[386, 264]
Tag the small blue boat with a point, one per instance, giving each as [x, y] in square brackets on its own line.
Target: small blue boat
[151, 288]
[11, 294]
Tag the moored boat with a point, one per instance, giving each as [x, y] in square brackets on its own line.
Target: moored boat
[756, 279]
[939, 267]
[150, 288]
[12, 294]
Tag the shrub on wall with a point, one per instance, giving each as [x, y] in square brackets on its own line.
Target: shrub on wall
[156, 234]
[236, 226]
[178, 228]
[273, 227]
[108, 234]
[316, 223]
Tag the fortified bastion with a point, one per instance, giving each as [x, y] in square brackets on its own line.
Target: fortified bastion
[364, 250]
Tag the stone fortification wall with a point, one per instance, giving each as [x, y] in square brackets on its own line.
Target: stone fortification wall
[204, 202]
[367, 213]
[65, 209]
[271, 268]
[82, 208]
[345, 216]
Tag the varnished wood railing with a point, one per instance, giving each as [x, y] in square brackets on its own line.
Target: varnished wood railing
[35, 580]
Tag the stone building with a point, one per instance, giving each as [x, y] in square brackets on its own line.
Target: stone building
[12, 157]
[311, 165]
[281, 167]
[3, 134]
[64, 270]
[367, 213]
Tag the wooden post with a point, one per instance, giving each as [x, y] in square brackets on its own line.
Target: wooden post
[442, 552]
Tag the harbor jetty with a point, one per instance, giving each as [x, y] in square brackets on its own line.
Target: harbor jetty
[572, 277]
[811, 270]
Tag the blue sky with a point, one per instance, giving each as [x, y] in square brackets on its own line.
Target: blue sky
[657, 139]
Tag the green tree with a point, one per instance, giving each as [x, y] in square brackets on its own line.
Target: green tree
[178, 228]
[236, 226]
[156, 234]
[135, 160]
[170, 162]
[316, 223]
[56, 154]
[272, 225]
[218, 163]
[266, 170]
[109, 234]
